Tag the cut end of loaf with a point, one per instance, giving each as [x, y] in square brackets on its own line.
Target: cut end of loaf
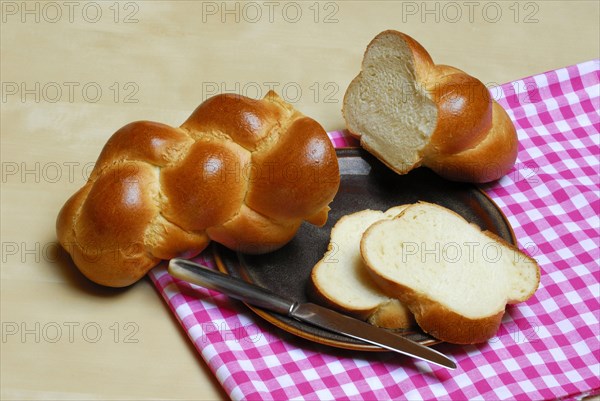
[447, 271]
[386, 106]
[408, 112]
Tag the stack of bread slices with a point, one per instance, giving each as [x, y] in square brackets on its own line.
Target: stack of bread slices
[423, 263]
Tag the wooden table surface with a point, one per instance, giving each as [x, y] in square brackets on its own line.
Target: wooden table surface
[74, 72]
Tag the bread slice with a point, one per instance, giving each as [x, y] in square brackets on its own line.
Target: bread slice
[341, 281]
[454, 278]
[408, 112]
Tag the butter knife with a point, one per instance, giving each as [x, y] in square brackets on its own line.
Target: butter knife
[306, 312]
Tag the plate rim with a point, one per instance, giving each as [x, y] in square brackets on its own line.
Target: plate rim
[220, 264]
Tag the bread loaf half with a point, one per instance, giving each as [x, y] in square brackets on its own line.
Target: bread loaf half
[239, 171]
[342, 282]
[408, 111]
[453, 277]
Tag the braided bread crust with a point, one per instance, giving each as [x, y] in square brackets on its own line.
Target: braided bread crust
[410, 112]
[242, 172]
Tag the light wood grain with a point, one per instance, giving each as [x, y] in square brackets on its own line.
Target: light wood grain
[164, 61]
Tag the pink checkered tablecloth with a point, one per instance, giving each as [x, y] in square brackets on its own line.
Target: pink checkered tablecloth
[547, 348]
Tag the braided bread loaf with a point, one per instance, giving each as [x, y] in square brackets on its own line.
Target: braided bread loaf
[409, 112]
[242, 172]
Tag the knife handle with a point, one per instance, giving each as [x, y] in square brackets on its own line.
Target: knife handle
[232, 286]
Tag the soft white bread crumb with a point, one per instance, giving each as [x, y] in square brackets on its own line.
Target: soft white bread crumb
[389, 107]
[341, 280]
[455, 278]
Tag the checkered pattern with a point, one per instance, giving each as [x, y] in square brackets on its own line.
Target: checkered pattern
[547, 348]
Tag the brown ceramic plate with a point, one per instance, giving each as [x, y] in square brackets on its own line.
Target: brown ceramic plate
[365, 184]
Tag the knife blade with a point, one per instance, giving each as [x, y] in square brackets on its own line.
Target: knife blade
[306, 312]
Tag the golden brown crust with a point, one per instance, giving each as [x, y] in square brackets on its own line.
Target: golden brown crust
[160, 192]
[298, 157]
[320, 218]
[167, 240]
[155, 143]
[474, 139]
[464, 111]
[250, 232]
[118, 207]
[246, 121]
[490, 159]
[392, 315]
[98, 234]
[206, 187]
